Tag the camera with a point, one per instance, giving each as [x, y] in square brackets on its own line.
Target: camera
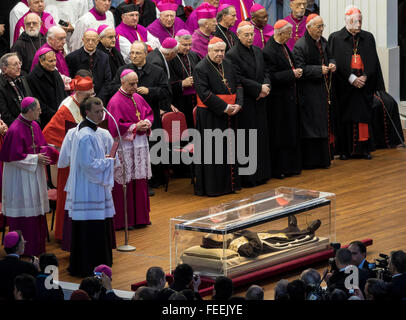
[315, 292]
[381, 268]
[98, 275]
[331, 261]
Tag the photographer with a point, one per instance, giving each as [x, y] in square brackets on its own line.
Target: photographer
[313, 280]
[104, 273]
[397, 266]
[336, 279]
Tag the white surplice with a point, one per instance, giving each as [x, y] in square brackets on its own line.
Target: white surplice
[85, 22]
[16, 14]
[24, 188]
[91, 175]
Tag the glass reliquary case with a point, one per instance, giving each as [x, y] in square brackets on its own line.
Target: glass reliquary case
[263, 230]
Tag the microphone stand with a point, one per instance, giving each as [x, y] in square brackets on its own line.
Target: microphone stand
[126, 247]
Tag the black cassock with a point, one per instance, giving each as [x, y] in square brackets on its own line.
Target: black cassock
[184, 99]
[315, 111]
[115, 59]
[97, 64]
[250, 68]
[229, 37]
[49, 89]
[283, 113]
[216, 179]
[354, 104]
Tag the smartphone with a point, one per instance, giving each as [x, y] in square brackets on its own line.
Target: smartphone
[63, 23]
[351, 291]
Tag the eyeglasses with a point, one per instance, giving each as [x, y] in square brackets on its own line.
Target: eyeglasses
[16, 64]
[320, 26]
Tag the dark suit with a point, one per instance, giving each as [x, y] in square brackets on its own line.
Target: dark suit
[26, 47]
[49, 89]
[337, 280]
[397, 287]
[44, 294]
[80, 59]
[10, 106]
[155, 57]
[11, 267]
[115, 58]
[229, 37]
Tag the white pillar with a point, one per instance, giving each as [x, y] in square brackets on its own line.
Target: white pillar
[380, 17]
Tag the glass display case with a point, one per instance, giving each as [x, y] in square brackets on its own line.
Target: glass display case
[242, 236]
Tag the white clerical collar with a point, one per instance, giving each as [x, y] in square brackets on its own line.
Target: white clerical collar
[121, 88]
[90, 53]
[25, 117]
[91, 121]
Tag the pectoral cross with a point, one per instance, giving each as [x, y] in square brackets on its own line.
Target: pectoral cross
[34, 146]
[138, 115]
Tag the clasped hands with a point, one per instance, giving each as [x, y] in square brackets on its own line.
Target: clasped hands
[360, 82]
[264, 91]
[43, 159]
[331, 67]
[142, 126]
[188, 82]
[232, 109]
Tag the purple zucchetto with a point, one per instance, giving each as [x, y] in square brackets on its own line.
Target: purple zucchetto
[27, 102]
[44, 50]
[125, 72]
[101, 28]
[169, 43]
[105, 269]
[11, 239]
[182, 32]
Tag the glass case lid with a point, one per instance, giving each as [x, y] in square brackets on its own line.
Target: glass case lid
[254, 210]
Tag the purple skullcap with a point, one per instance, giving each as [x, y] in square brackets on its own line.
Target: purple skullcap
[256, 7]
[105, 269]
[169, 43]
[101, 28]
[183, 32]
[224, 6]
[125, 72]
[11, 239]
[27, 101]
[91, 29]
[44, 50]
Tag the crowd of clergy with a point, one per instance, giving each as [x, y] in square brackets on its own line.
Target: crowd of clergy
[220, 63]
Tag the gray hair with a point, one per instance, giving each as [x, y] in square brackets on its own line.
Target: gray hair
[143, 43]
[222, 13]
[215, 44]
[124, 79]
[310, 276]
[103, 33]
[254, 293]
[279, 31]
[348, 18]
[54, 29]
[4, 59]
[201, 22]
[281, 289]
[184, 37]
[167, 51]
[239, 30]
[310, 23]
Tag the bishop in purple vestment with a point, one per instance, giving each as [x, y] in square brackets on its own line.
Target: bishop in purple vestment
[134, 117]
[25, 199]
[192, 21]
[298, 20]
[206, 17]
[168, 24]
[242, 8]
[262, 30]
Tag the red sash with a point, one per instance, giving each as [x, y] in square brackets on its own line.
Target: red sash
[227, 98]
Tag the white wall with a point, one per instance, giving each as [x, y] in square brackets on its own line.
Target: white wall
[380, 17]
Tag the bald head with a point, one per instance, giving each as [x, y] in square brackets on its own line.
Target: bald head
[37, 6]
[90, 40]
[129, 83]
[32, 24]
[254, 293]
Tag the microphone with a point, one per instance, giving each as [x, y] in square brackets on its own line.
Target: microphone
[126, 247]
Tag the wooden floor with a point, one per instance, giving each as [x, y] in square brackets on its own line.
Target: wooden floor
[371, 203]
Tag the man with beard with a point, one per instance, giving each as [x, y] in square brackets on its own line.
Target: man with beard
[297, 20]
[263, 31]
[359, 76]
[226, 18]
[316, 98]
[30, 41]
[248, 61]
[38, 7]
[219, 99]
[168, 24]
[206, 17]
[182, 67]
[283, 112]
